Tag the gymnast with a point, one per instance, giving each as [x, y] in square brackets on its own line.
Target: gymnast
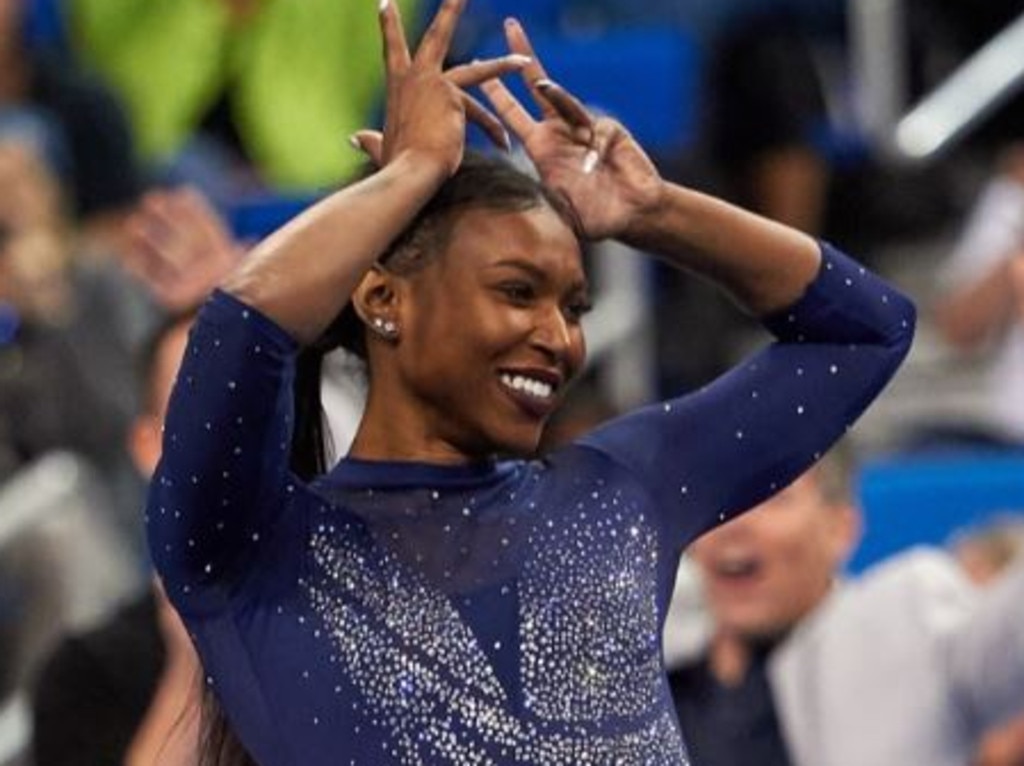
[442, 595]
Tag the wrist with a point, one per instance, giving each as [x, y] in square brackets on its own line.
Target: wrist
[422, 170]
[649, 218]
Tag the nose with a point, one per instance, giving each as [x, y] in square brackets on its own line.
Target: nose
[559, 339]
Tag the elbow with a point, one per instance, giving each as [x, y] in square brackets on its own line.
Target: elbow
[904, 327]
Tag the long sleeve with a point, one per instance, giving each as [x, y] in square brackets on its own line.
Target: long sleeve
[223, 480]
[722, 450]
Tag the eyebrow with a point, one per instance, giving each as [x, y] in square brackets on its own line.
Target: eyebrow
[537, 273]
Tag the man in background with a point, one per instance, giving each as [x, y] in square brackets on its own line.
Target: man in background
[910, 663]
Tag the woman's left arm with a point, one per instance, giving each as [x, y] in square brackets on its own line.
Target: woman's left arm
[841, 331]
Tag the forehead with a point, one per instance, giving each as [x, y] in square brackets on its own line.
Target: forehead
[485, 238]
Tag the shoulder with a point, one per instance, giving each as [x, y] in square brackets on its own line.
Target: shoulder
[910, 596]
[922, 576]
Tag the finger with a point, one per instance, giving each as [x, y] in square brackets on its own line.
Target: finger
[511, 112]
[606, 133]
[491, 125]
[370, 143]
[518, 42]
[396, 49]
[478, 72]
[567, 106]
[438, 38]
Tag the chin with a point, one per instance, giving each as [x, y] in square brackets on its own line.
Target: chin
[761, 631]
[522, 444]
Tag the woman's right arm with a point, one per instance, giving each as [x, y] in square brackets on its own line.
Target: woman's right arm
[303, 275]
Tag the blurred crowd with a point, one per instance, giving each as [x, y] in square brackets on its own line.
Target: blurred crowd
[144, 143]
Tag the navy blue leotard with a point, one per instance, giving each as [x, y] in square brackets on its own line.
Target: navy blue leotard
[492, 613]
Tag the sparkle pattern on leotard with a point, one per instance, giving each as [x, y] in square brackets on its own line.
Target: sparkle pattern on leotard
[589, 613]
[402, 613]
[426, 682]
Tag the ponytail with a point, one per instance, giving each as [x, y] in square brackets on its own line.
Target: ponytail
[218, 745]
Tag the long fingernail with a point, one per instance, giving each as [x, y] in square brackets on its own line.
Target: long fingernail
[520, 58]
[590, 161]
[544, 83]
[354, 141]
[507, 139]
[383, 5]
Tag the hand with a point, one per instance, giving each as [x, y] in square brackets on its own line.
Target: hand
[179, 248]
[1002, 746]
[427, 107]
[596, 163]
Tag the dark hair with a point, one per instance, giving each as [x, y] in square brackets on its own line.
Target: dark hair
[218, 745]
[481, 181]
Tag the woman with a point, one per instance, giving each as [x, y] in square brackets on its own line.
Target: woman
[424, 601]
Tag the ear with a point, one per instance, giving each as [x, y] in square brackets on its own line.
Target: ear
[377, 301]
[145, 444]
[847, 528]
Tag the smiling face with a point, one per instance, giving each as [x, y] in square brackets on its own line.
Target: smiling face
[767, 569]
[489, 336]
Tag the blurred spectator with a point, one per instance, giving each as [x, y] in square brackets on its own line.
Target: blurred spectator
[280, 84]
[910, 664]
[120, 694]
[764, 113]
[51, 394]
[74, 121]
[983, 309]
[985, 553]
[123, 692]
[72, 323]
[766, 98]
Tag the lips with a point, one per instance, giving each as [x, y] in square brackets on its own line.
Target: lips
[736, 569]
[534, 390]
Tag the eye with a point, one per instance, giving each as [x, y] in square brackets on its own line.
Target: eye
[518, 293]
[576, 310]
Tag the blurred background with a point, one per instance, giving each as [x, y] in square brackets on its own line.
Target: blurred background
[893, 128]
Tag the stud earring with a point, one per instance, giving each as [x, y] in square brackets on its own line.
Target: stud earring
[385, 328]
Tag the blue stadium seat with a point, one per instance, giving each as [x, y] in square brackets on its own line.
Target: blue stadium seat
[925, 499]
[254, 218]
[647, 77]
[45, 26]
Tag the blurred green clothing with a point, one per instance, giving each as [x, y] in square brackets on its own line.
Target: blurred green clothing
[303, 75]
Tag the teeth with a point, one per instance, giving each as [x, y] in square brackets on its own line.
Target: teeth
[535, 388]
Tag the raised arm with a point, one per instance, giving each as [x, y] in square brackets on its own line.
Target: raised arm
[304, 274]
[223, 482]
[841, 331]
[618, 193]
